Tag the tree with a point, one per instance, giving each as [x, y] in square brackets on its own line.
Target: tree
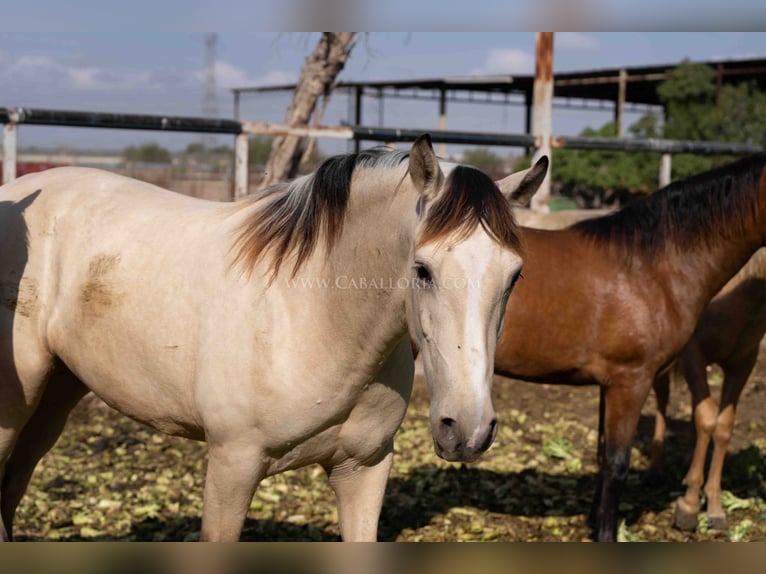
[695, 109]
[607, 174]
[259, 149]
[148, 153]
[317, 77]
[486, 160]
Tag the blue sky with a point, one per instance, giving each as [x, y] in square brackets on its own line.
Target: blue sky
[163, 73]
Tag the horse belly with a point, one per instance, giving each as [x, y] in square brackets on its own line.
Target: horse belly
[145, 373]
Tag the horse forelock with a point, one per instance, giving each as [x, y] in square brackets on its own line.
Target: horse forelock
[470, 198]
[700, 210]
[296, 214]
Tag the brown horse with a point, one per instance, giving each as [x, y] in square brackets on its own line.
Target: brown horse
[612, 300]
[728, 334]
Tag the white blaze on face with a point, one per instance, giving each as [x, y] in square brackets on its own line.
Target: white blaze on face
[487, 268]
[475, 270]
[465, 308]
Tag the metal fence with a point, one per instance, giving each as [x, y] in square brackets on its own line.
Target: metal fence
[13, 117]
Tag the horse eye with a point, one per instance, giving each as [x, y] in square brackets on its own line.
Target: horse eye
[424, 276]
[515, 279]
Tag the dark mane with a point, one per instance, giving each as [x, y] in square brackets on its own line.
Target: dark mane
[470, 198]
[706, 208]
[300, 211]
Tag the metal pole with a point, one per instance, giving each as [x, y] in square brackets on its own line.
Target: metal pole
[665, 169]
[241, 148]
[9, 152]
[542, 115]
[620, 104]
[442, 148]
[527, 117]
[357, 115]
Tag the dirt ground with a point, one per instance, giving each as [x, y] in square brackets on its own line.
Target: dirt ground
[110, 478]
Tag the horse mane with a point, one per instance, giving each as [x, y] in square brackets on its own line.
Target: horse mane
[708, 207]
[303, 209]
[470, 198]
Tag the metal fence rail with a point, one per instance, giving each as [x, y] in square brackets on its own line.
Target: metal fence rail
[40, 117]
[12, 117]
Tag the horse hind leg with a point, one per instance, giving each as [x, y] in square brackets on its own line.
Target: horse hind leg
[39, 434]
[24, 370]
[734, 382]
[704, 410]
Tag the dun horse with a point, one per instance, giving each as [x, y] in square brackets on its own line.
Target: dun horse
[728, 334]
[612, 300]
[275, 329]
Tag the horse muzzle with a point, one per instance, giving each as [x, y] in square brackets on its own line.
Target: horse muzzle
[451, 445]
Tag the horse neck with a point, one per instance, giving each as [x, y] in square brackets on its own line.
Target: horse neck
[705, 268]
[367, 269]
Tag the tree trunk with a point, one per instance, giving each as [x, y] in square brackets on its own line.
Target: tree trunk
[317, 77]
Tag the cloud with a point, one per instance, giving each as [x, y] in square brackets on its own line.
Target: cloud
[575, 41]
[41, 72]
[507, 61]
[229, 76]
[36, 74]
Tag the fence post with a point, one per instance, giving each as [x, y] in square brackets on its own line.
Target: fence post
[9, 151]
[241, 149]
[542, 116]
[664, 169]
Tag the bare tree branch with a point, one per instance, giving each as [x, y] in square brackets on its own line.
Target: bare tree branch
[317, 79]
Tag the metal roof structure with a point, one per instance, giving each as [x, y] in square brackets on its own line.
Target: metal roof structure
[602, 84]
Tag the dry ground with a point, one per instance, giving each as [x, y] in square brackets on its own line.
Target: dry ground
[110, 478]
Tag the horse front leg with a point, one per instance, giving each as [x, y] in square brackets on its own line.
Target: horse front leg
[622, 402]
[234, 470]
[656, 451]
[359, 489]
[593, 514]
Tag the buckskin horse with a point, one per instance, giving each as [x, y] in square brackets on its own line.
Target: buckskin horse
[227, 322]
[613, 300]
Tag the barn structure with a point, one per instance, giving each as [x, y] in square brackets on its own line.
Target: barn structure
[619, 89]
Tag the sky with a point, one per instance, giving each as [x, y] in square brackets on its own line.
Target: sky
[163, 72]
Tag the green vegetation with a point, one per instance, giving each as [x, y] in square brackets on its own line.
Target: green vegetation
[259, 150]
[147, 153]
[695, 110]
[486, 160]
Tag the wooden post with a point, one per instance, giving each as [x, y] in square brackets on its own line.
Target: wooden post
[241, 152]
[665, 169]
[9, 152]
[542, 115]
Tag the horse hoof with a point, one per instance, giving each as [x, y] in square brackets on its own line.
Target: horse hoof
[718, 522]
[685, 519]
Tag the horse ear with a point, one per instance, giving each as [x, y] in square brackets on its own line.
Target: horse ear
[424, 167]
[519, 187]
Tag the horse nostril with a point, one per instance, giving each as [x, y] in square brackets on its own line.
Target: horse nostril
[490, 435]
[448, 422]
